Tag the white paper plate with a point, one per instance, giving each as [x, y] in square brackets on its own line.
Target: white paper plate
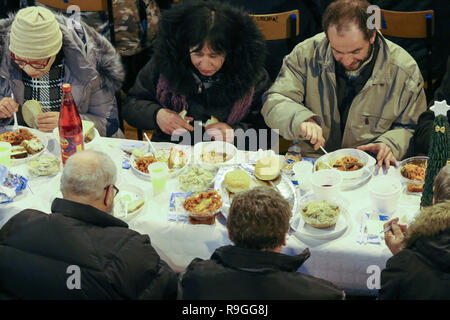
[165, 148]
[356, 175]
[135, 193]
[42, 136]
[217, 146]
[94, 135]
[303, 229]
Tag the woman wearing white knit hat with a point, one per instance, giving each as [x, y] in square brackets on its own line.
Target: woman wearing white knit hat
[39, 51]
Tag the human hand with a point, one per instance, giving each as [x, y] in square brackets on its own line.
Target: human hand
[48, 121]
[383, 152]
[394, 238]
[220, 131]
[313, 133]
[7, 107]
[169, 121]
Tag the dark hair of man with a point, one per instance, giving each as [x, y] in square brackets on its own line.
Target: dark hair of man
[342, 13]
[258, 219]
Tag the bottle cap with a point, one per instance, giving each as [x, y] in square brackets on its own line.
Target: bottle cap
[66, 87]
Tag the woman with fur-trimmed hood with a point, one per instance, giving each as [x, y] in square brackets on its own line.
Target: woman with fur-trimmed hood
[208, 66]
[39, 51]
[420, 267]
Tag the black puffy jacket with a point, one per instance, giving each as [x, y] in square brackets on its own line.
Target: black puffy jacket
[37, 249]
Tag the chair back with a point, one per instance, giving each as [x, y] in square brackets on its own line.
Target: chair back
[91, 5]
[415, 24]
[277, 26]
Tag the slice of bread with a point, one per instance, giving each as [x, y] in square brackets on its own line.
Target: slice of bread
[211, 121]
[237, 181]
[18, 152]
[88, 127]
[31, 109]
[135, 205]
[267, 168]
[32, 146]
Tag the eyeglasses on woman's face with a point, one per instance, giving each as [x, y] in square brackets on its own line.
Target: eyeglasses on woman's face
[36, 64]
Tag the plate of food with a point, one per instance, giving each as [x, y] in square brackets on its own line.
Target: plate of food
[320, 219]
[90, 133]
[44, 165]
[195, 178]
[26, 143]
[129, 203]
[231, 180]
[175, 156]
[203, 207]
[356, 166]
[412, 171]
[214, 154]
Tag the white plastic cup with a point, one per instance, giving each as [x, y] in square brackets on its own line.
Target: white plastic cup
[326, 184]
[385, 191]
[158, 173]
[303, 171]
[5, 154]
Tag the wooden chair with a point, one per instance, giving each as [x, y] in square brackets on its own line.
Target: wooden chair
[415, 24]
[92, 6]
[278, 26]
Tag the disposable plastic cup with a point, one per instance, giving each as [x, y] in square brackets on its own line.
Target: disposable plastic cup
[303, 171]
[326, 183]
[5, 154]
[158, 173]
[385, 192]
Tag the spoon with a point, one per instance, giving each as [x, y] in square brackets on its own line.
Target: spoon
[151, 145]
[321, 148]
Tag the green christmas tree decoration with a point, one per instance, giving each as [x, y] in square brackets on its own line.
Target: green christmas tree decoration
[439, 151]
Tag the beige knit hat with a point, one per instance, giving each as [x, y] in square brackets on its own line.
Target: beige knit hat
[35, 34]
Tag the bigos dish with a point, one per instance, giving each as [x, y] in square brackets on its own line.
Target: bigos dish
[206, 203]
[348, 164]
[320, 214]
[414, 172]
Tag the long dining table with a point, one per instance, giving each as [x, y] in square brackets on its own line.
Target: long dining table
[346, 261]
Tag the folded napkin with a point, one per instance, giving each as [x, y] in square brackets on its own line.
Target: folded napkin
[370, 228]
[11, 184]
[176, 209]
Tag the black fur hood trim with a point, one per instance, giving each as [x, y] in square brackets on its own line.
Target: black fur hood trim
[241, 70]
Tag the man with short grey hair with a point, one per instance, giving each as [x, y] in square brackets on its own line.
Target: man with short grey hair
[81, 251]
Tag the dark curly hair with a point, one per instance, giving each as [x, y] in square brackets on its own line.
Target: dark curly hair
[228, 30]
[258, 219]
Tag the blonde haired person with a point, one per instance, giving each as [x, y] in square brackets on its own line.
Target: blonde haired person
[420, 267]
[39, 51]
[255, 268]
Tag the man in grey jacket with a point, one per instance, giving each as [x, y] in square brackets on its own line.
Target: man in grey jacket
[39, 51]
[347, 88]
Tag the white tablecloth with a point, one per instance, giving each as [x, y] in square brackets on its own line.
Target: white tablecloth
[342, 260]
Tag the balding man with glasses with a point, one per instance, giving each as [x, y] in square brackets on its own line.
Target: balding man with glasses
[81, 251]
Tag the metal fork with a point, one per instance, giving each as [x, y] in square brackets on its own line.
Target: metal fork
[16, 126]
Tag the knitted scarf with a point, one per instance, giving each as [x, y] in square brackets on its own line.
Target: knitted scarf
[177, 102]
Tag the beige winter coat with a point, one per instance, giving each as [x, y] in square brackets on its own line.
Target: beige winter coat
[385, 110]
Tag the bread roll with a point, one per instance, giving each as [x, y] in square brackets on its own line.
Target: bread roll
[31, 109]
[237, 181]
[267, 168]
